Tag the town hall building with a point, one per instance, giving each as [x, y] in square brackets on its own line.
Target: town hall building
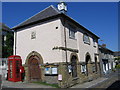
[56, 49]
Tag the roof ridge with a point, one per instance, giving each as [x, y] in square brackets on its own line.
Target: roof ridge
[36, 14]
[55, 8]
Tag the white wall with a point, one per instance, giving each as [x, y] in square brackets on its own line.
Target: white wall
[47, 36]
[78, 43]
[84, 48]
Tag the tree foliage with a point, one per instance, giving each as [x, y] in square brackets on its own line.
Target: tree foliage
[117, 58]
[7, 48]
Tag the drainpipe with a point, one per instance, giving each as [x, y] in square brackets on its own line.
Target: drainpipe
[65, 40]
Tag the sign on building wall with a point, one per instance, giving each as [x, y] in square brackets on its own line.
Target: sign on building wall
[47, 70]
[60, 77]
[54, 70]
[51, 70]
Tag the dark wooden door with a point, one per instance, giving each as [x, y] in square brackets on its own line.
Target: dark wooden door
[74, 66]
[34, 69]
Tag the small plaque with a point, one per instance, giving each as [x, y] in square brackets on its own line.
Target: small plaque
[60, 77]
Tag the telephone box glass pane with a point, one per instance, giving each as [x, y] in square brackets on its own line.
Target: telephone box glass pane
[17, 69]
[10, 69]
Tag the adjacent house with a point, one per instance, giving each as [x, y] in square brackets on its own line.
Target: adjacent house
[7, 40]
[117, 57]
[56, 49]
[106, 60]
[6, 47]
[117, 53]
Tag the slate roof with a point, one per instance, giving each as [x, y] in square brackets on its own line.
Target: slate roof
[105, 49]
[117, 53]
[49, 12]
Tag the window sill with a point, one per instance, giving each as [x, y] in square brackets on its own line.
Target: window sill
[86, 43]
[83, 73]
[75, 78]
[72, 38]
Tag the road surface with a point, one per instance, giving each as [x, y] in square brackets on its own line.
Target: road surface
[114, 85]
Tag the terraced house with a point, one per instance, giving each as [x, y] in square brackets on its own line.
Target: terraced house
[107, 62]
[56, 49]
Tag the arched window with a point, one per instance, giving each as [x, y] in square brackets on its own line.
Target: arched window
[86, 39]
[74, 66]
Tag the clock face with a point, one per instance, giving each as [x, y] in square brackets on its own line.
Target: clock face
[62, 7]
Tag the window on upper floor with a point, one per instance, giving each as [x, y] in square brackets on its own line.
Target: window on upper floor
[72, 31]
[94, 42]
[86, 39]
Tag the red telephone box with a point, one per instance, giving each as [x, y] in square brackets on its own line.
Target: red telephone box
[14, 63]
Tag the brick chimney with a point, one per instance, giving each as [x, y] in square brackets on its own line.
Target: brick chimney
[104, 45]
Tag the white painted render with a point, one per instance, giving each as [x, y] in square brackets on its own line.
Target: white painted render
[78, 43]
[47, 37]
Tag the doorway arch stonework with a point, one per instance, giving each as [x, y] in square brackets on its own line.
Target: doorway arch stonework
[74, 64]
[88, 64]
[34, 67]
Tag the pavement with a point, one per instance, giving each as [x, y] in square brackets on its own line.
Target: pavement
[90, 84]
[102, 82]
[9, 84]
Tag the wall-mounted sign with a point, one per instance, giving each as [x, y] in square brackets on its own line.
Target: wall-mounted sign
[47, 70]
[54, 70]
[51, 71]
[17, 58]
[60, 77]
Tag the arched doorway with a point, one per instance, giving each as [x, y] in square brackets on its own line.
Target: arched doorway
[74, 65]
[88, 60]
[96, 69]
[33, 67]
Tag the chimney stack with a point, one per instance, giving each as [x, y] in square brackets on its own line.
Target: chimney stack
[104, 45]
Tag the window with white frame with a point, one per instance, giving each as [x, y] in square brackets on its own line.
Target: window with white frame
[83, 68]
[109, 65]
[86, 39]
[72, 32]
